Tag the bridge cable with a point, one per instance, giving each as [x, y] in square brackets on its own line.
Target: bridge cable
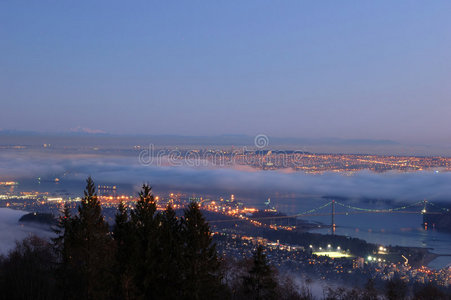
[378, 210]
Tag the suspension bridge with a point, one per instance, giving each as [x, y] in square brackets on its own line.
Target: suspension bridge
[421, 208]
[329, 209]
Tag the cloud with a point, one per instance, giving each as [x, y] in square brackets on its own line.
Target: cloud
[413, 186]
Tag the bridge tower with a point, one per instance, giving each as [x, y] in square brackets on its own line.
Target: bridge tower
[424, 212]
[333, 217]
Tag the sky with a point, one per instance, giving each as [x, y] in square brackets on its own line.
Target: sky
[315, 69]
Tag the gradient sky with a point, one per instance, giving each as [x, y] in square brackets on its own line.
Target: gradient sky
[346, 69]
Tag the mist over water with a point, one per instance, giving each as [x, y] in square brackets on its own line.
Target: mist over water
[240, 180]
[11, 231]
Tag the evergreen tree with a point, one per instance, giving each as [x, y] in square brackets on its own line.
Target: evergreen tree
[121, 233]
[201, 265]
[145, 258]
[91, 247]
[260, 282]
[63, 246]
[123, 237]
[170, 237]
[63, 231]
[143, 216]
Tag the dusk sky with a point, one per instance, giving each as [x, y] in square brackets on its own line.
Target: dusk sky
[345, 69]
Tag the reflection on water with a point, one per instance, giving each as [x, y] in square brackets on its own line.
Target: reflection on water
[418, 237]
[380, 228]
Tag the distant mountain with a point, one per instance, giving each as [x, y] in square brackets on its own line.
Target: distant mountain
[88, 131]
[73, 132]
[331, 141]
[183, 140]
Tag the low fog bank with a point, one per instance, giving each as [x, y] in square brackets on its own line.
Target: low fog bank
[412, 186]
[11, 231]
[316, 287]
